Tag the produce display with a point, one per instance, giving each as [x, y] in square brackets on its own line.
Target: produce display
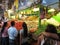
[32, 23]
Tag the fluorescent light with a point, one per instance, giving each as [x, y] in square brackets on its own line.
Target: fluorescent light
[51, 10]
[36, 9]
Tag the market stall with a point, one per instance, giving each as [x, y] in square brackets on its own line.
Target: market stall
[28, 15]
[31, 17]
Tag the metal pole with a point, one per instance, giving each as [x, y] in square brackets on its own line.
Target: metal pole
[59, 5]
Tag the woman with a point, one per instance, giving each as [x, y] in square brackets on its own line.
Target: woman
[4, 34]
[1, 23]
[23, 33]
[49, 32]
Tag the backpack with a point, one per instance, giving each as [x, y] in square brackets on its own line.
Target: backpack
[49, 41]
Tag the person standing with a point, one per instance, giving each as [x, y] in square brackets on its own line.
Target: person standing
[12, 32]
[24, 34]
[4, 33]
[51, 33]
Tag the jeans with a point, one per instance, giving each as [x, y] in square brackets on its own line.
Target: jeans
[11, 42]
[5, 41]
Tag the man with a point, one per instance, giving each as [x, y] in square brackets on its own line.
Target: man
[12, 32]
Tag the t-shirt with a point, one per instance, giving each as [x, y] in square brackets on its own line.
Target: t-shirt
[12, 32]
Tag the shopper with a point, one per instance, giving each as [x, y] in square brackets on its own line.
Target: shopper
[0, 29]
[1, 24]
[42, 15]
[12, 32]
[25, 30]
[24, 34]
[4, 33]
[49, 32]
